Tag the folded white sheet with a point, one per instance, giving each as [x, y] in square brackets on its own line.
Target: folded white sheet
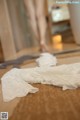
[15, 83]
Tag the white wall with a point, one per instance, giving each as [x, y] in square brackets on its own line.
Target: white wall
[75, 21]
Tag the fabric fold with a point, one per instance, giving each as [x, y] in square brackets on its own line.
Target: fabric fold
[14, 86]
[16, 82]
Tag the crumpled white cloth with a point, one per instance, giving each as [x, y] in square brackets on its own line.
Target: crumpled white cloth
[46, 59]
[16, 82]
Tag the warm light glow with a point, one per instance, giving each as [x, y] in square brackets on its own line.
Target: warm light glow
[57, 39]
[58, 46]
[57, 42]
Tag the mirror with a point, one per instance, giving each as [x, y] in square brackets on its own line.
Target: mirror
[64, 25]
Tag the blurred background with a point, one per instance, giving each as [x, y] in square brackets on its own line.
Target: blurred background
[17, 38]
[17, 42]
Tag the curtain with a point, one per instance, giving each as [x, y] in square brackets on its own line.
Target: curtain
[23, 35]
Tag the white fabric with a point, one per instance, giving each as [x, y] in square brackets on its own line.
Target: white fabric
[46, 59]
[15, 83]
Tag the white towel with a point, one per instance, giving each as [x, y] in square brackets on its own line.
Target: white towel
[46, 59]
[16, 82]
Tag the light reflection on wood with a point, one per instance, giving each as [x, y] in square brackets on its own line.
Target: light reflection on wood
[57, 42]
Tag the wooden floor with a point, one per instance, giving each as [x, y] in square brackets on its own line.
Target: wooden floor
[50, 103]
